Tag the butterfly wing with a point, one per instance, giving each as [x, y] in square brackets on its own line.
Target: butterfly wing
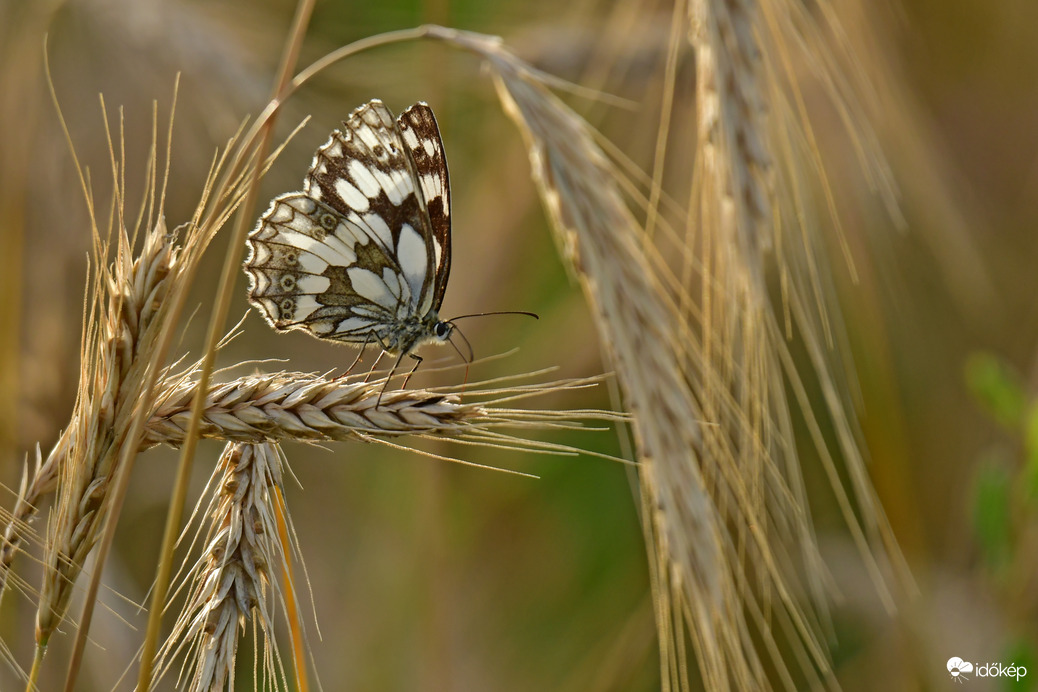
[311, 269]
[422, 142]
[350, 257]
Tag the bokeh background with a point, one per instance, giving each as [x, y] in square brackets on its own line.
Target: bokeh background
[431, 576]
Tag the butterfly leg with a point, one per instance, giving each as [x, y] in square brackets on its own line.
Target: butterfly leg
[360, 354]
[385, 349]
[374, 366]
[418, 361]
[389, 377]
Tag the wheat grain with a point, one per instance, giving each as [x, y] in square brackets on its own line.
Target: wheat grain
[131, 309]
[286, 406]
[298, 406]
[115, 352]
[234, 581]
[640, 325]
[733, 135]
[726, 519]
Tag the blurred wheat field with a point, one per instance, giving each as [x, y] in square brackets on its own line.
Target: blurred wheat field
[426, 575]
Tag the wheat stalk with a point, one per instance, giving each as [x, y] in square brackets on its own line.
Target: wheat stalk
[235, 581]
[722, 504]
[110, 390]
[298, 406]
[734, 150]
[726, 517]
[641, 326]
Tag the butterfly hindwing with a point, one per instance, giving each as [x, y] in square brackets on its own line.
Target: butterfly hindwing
[297, 266]
[356, 256]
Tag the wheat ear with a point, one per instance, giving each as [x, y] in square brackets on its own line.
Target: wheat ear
[235, 580]
[641, 327]
[729, 534]
[757, 166]
[733, 135]
[299, 406]
[128, 325]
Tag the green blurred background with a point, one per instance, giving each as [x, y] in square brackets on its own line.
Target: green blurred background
[430, 576]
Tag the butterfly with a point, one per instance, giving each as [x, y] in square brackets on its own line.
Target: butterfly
[363, 252]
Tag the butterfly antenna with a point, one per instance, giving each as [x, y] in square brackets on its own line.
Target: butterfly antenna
[471, 356]
[502, 312]
[468, 345]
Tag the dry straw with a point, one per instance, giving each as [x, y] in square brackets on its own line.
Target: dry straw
[235, 581]
[130, 310]
[700, 355]
[734, 559]
[304, 407]
[127, 402]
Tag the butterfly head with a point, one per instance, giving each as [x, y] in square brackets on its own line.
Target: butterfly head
[433, 330]
[408, 334]
[441, 331]
[444, 329]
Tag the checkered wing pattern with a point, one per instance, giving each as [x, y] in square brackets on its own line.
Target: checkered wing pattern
[362, 253]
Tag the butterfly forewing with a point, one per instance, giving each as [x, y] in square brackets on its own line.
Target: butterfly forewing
[421, 138]
[360, 254]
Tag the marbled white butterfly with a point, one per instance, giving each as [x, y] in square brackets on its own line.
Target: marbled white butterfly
[362, 254]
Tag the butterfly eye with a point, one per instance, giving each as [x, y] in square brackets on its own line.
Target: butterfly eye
[442, 330]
